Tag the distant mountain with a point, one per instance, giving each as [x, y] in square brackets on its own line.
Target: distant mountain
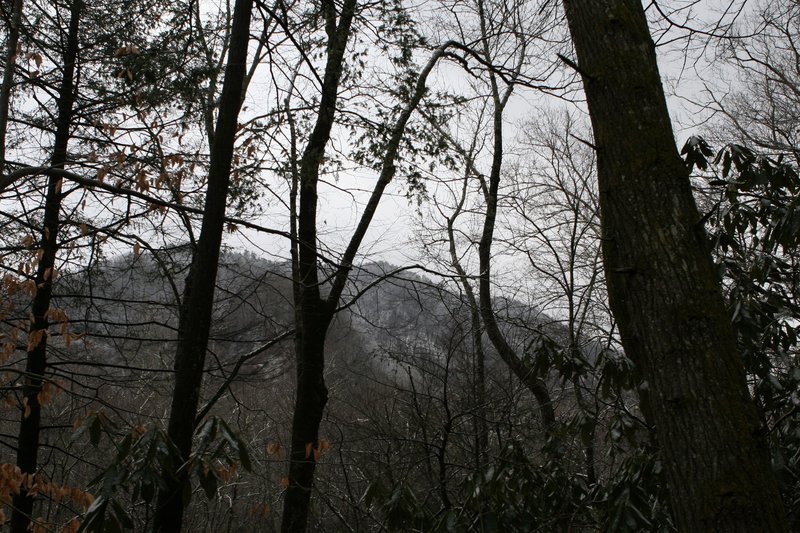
[126, 309]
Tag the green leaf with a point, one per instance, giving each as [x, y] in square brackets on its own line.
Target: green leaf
[726, 164]
[207, 432]
[237, 444]
[93, 520]
[208, 482]
[95, 431]
[186, 493]
[697, 152]
[124, 448]
[147, 491]
[123, 519]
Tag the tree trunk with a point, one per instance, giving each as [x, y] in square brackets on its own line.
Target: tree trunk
[8, 76]
[312, 313]
[36, 362]
[198, 297]
[663, 288]
[522, 371]
[479, 419]
[312, 396]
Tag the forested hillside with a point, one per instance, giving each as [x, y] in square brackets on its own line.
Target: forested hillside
[339, 265]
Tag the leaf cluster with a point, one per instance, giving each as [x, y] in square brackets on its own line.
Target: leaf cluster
[753, 220]
[145, 458]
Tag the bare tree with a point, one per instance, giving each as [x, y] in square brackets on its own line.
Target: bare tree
[314, 313]
[760, 107]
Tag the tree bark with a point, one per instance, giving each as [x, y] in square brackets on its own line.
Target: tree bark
[663, 288]
[36, 361]
[198, 297]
